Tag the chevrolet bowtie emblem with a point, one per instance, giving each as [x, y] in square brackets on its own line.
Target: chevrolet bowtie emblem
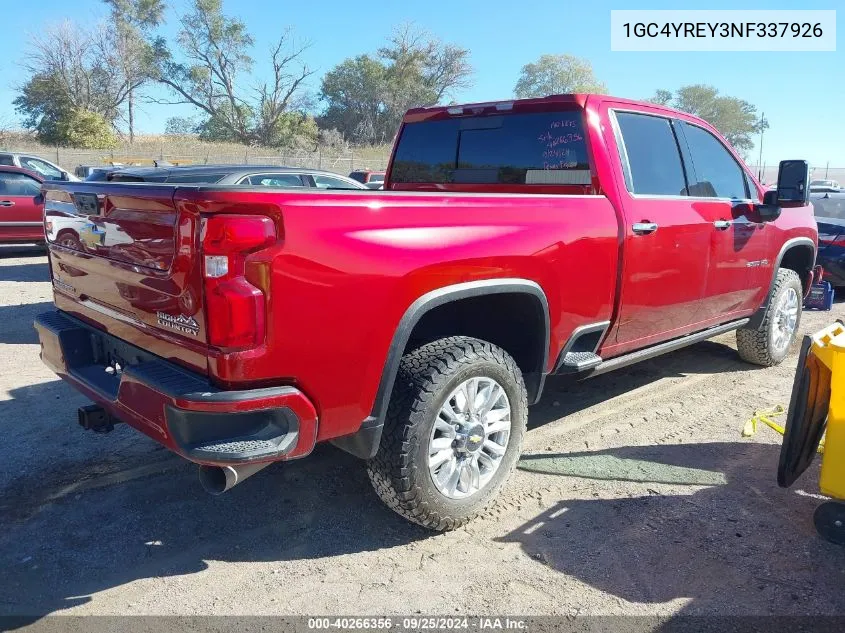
[474, 438]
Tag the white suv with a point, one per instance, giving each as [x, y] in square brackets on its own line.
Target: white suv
[47, 169]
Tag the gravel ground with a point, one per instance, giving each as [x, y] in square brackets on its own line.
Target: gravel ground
[636, 495]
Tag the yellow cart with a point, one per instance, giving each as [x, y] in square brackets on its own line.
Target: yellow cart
[816, 409]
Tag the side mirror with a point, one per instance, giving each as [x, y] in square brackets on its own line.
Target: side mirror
[65, 176]
[793, 188]
[39, 199]
[769, 211]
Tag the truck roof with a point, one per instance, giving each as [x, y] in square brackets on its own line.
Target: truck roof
[578, 99]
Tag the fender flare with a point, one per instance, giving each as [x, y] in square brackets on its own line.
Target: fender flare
[757, 317]
[365, 442]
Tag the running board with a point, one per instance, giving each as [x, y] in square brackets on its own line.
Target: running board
[663, 348]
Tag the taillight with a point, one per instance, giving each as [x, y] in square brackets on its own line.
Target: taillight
[235, 313]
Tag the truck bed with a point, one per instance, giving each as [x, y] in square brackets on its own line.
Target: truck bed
[331, 279]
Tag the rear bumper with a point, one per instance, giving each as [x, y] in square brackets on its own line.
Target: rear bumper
[180, 409]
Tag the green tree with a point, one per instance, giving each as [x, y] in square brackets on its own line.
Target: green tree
[212, 62]
[356, 93]
[180, 126]
[84, 129]
[557, 74]
[367, 95]
[132, 22]
[737, 120]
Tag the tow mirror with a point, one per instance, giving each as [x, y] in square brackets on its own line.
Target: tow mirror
[793, 188]
[769, 211]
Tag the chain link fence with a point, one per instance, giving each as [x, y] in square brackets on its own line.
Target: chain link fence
[341, 162]
[825, 172]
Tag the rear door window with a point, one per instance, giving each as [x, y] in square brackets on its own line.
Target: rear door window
[524, 149]
[330, 182]
[650, 153]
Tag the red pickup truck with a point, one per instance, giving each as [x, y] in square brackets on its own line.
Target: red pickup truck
[413, 327]
[20, 206]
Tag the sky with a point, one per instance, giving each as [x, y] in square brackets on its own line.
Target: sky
[802, 94]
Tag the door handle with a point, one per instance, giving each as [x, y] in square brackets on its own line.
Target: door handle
[722, 224]
[643, 228]
[6, 203]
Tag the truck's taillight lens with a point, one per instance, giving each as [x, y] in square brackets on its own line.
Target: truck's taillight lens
[235, 311]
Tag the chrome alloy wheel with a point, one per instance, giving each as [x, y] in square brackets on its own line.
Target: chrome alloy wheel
[785, 319]
[469, 438]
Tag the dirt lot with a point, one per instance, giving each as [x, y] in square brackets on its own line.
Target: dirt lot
[635, 495]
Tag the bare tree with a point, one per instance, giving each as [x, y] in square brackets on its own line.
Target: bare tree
[216, 66]
[78, 62]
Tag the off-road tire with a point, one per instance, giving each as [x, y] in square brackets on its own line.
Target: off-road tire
[399, 471]
[756, 345]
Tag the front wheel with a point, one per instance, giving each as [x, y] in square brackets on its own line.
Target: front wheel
[769, 343]
[453, 433]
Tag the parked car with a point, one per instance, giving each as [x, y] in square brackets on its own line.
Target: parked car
[255, 175]
[372, 179]
[101, 174]
[21, 206]
[829, 209]
[95, 172]
[569, 235]
[46, 169]
[824, 186]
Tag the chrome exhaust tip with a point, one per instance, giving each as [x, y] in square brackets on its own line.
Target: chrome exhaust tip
[218, 479]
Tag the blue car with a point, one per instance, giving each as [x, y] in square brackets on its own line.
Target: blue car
[830, 215]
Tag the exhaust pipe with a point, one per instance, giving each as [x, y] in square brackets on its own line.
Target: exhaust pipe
[218, 479]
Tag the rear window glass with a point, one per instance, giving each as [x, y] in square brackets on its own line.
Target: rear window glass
[524, 149]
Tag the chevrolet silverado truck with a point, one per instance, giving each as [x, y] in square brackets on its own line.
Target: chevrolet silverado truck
[412, 327]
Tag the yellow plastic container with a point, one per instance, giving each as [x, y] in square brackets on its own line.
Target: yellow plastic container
[829, 348]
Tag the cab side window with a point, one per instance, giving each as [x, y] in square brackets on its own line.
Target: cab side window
[650, 151]
[715, 173]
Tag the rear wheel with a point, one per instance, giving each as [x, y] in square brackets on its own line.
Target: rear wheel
[453, 432]
[769, 343]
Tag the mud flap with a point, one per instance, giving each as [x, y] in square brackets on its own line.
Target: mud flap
[807, 417]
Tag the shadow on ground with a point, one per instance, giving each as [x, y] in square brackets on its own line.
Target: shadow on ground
[16, 322]
[734, 539]
[564, 396]
[70, 529]
[21, 250]
[25, 272]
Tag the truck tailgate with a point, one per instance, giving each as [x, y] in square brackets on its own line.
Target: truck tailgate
[125, 258]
